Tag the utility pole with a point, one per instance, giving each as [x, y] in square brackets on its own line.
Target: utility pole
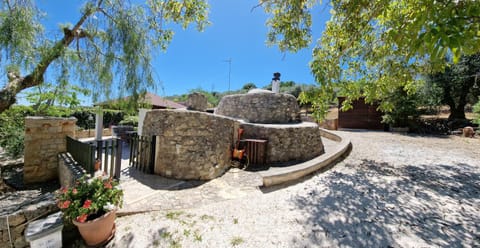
[229, 61]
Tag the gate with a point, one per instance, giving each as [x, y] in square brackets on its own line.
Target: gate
[108, 153]
[142, 152]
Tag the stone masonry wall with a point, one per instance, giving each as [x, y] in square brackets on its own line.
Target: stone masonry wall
[197, 101]
[80, 134]
[190, 144]
[23, 209]
[260, 107]
[44, 139]
[287, 142]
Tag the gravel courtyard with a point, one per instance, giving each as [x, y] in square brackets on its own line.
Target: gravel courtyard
[393, 190]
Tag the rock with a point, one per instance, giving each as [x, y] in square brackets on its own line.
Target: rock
[468, 132]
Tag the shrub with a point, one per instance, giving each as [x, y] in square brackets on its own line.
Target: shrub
[129, 121]
[12, 129]
[476, 110]
[89, 198]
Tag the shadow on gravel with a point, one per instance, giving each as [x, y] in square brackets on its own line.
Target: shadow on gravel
[158, 182]
[383, 206]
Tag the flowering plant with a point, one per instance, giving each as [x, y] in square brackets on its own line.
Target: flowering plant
[89, 198]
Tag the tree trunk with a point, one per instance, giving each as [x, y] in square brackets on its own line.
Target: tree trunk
[18, 83]
[457, 112]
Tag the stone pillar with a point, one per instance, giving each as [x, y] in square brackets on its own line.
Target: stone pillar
[141, 117]
[197, 101]
[99, 125]
[45, 138]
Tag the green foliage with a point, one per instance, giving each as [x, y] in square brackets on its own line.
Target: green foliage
[370, 47]
[476, 110]
[129, 121]
[289, 24]
[249, 86]
[111, 41]
[86, 117]
[56, 100]
[12, 129]
[89, 198]
[403, 108]
[458, 85]
[19, 31]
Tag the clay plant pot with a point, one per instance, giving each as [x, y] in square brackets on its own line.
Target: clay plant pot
[98, 231]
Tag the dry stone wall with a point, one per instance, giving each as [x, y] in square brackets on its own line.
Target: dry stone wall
[81, 134]
[44, 139]
[260, 107]
[24, 208]
[197, 101]
[287, 142]
[190, 144]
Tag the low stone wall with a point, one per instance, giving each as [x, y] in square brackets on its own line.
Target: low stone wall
[68, 170]
[260, 107]
[45, 137]
[14, 218]
[287, 142]
[190, 144]
[81, 134]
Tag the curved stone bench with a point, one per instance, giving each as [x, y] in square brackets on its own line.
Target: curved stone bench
[290, 173]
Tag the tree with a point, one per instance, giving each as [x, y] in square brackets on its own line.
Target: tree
[371, 48]
[112, 40]
[249, 86]
[459, 84]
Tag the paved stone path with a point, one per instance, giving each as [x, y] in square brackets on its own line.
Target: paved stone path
[146, 192]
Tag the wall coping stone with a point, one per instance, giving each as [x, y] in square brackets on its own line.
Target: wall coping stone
[50, 118]
[69, 170]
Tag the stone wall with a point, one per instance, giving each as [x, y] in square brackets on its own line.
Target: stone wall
[190, 144]
[287, 142]
[45, 137]
[68, 170]
[197, 101]
[81, 134]
[24, 208]
[260, 107]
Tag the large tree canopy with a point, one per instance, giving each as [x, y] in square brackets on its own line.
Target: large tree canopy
[372, 47]
[111, 40]
[369, 47]
[458, 85]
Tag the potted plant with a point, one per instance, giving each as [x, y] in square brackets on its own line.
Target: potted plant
[91, 205]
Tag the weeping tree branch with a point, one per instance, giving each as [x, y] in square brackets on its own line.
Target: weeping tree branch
[17, 83]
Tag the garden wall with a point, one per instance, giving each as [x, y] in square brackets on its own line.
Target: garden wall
[45, 137]
[190, 144]
[287, 142]
[24, 208]
[81, 134]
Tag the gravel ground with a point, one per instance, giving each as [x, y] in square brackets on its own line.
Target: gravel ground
[392, 190]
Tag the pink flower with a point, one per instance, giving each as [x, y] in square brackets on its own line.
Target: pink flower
[87, 203]
[63, 205]
[82, 218]
[74, 191]
[107, 185]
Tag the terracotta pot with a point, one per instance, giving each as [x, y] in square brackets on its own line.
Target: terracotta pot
[98, 231]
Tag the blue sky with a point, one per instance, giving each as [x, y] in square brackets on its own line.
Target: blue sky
[198, 59]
